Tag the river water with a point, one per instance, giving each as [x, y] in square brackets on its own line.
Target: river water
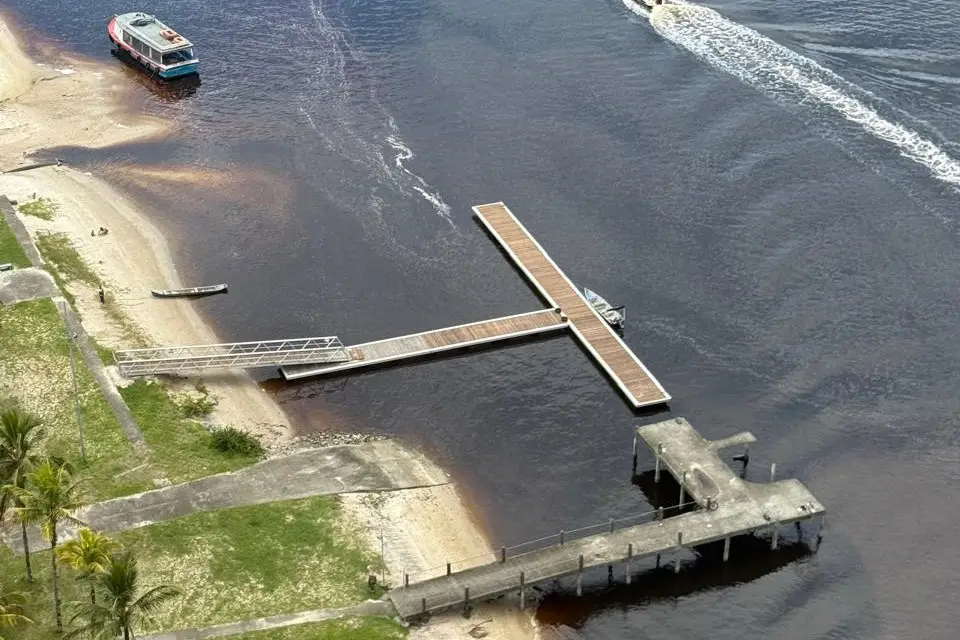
[770, 188]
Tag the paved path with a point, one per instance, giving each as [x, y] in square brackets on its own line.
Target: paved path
[369, 608]
[372, 466]
[21, 285]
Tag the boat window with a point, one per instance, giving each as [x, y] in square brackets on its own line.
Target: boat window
[178, 56]
[155, 55]
[127, 38]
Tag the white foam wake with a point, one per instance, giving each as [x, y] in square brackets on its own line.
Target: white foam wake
[340, 104]
[776, 70]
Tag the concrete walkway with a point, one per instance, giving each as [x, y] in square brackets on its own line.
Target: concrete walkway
[368, 608]
[372, 466]
[21, 285]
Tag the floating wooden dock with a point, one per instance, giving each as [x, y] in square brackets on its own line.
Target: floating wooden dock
[428, 343]
[730, 505]
[627, 372]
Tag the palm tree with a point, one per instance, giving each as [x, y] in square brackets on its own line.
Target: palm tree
[89, 554]
[19, 438]
[11, 609]
[122, 611]
[50, 497]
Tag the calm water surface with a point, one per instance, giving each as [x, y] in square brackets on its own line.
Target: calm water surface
[770, 188]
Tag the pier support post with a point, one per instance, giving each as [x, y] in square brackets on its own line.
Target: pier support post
[629, 560]
[660, 514]
[676, 562]
[423, 605]
[611, 525]
[609, 575]
[580, 578]
[523, 594]
[773, 472]
[774, 541]
[406, 579]
[658, 561]
[448, 568]
[466, 601]
[683, 481]
[726, 549]
[503, 554]
[561, 537]
[656, 469]
[633, 474]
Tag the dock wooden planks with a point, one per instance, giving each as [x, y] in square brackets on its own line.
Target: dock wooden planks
[440, 340]
[623, 367]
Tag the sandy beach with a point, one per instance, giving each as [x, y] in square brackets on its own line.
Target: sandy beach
[75, 102]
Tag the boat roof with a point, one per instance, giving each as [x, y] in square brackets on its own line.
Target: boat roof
[148, 28]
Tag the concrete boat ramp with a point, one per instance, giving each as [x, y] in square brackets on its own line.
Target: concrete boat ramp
[728, 507]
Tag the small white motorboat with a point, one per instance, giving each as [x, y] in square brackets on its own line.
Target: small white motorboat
[615, 316]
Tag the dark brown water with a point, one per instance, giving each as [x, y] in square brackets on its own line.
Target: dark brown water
[774, 199]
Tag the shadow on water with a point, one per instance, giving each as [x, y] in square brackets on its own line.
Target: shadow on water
[172, 90]
[750, 559]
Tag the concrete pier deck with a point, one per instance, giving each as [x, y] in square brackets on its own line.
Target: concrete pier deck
[427, 343]
[628, 373]
[732, 507]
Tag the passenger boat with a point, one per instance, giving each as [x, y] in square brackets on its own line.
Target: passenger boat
[615, 316]
[190, 292]
[160, 49]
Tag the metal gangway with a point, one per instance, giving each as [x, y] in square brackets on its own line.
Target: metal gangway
[239, 355]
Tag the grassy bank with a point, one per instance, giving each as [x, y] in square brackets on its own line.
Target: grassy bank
[345, 629]
[255, 561]
[10, 249]
[180, 448]
[35, 374]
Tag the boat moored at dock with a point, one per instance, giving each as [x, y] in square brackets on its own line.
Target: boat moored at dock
[157, 47]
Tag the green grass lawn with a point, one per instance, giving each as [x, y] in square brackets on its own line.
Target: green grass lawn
[10, 249]
[255, 561]
[35, 374]
[180, 448]
[344, 629]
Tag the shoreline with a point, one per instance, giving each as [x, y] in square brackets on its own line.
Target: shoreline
[76, 104]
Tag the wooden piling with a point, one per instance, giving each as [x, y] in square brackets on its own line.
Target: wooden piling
[656, 471]
[683, 481]
[523, 593]
[466, 600]
[633, 474]
[503, 554]
[629, 560]
[406, 579]
[580, 578]
[773, 471]
[726, 549]
[774, 541]
[448, 568]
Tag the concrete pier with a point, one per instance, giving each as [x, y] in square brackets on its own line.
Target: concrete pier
[729, 506]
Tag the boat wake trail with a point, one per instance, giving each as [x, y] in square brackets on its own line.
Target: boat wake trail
[340, 104]
[785, 75]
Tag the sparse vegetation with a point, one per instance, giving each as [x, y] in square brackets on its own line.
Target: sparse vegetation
[67, 264]
[197, 406]
[43, 208]
[232, 440]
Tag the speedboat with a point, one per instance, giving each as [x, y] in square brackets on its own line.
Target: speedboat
[159, 49]
[614, 316]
